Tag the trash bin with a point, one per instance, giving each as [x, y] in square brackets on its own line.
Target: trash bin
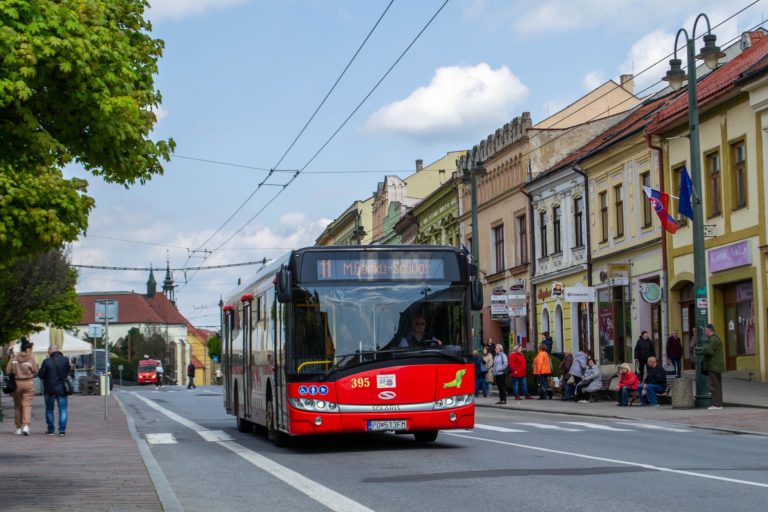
[682, 393]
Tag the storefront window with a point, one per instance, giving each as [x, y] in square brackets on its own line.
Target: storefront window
[614, 325]
[740, 320]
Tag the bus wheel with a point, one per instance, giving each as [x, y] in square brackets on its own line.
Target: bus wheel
[425, 436]
[273, 433]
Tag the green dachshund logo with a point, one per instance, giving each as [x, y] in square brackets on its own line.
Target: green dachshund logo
[455, 383]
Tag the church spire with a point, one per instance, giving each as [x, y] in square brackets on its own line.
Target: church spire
[168, 285]
[151, 283]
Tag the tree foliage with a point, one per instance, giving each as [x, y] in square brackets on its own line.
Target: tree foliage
[214, 346]
[76, 85]
[37, 290]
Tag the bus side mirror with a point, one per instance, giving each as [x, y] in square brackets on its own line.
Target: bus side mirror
[476, 294]
[284, 285]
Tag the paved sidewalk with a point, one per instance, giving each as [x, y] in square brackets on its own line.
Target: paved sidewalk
[745, 411]
[97, 466]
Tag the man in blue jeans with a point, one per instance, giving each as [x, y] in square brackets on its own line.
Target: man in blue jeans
[655, 382]
[52, 372]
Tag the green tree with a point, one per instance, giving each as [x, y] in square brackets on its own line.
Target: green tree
[37, 290]
[76, 85]
[214, 346]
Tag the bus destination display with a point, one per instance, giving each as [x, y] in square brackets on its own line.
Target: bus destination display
[373, 269]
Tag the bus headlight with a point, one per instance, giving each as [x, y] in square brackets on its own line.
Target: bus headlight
[310, 404]
[453, 401]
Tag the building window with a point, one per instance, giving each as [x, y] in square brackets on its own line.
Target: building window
[714, 191]
[498, 248]
[578, 216]
[603, 217]
[618, 195]
[645, 181]
[556, 228]
[522, 240]
[543, 234]
[739, 157]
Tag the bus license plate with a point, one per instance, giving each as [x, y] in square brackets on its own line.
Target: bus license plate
[387, 425]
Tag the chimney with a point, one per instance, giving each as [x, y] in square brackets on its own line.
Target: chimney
[627, 83]
[419, 165]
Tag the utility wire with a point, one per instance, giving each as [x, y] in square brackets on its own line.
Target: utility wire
[328, 141]
[263, 261]
[296, 138]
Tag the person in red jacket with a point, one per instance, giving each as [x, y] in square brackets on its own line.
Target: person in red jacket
[519, 372]
[628, 381]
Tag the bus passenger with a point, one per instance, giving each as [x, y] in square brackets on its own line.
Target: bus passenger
[418, 335]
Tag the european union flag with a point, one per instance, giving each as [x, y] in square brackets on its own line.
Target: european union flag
[686, 191]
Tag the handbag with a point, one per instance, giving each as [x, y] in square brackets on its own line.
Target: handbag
[570, 380]
[69, 386]
[9, 383]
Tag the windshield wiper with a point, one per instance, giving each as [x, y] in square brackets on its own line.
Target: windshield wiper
[429, 352]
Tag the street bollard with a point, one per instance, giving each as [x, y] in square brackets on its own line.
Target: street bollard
[682, 393]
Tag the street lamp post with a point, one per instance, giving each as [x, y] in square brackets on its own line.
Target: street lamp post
[710, 54]
[473, 169]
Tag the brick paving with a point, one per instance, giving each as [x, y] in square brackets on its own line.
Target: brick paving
[97, 466]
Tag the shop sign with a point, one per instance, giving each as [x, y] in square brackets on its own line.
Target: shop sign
[557, 289]
[543, 294]
[498, 305]
[517, 286]
[518, 310]
[650, 293]
[702, 303]
[734, 255]
[580, 294]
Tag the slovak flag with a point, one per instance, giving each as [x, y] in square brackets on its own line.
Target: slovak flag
[660, 202]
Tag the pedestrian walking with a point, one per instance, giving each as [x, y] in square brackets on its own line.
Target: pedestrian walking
[488, 358]
[500, 365]
[519, 373]
[547, 341]
[219, 375]
[480, 371]
[643, 350]
[191, 376]
[24, 367]
[542, 369]
[53, 372]
[713, 365]
[675, 352]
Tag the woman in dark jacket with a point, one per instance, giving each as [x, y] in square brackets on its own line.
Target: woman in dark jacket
[643, 350]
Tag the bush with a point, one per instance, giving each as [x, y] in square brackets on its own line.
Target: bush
[129, 369]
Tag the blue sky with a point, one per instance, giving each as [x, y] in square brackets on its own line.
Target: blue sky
[240, 78]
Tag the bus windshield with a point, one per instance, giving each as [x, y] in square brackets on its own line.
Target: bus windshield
[344, 325]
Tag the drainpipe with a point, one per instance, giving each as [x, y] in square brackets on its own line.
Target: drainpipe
[532, 324]
[663, 277]
[588, 249]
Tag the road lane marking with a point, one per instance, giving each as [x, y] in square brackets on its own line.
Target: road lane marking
[596, 426]
[318, 492]
[615, 461]
[654, 427]
[215, 435]
[497, 429]
[547, 426]
[160, 438]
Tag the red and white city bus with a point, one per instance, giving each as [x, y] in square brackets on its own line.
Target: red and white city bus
[319, 342]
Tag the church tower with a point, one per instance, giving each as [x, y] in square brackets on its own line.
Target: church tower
[168, 285]
[151, 283]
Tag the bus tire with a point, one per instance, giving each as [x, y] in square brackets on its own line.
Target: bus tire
[425, 436]
[273, 433]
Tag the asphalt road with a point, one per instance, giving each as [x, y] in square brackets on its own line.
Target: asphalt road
[510, 461]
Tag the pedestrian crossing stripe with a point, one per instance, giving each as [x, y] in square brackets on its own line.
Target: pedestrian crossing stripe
[548, 426]
[596, 426]
[651, 426]
[160, 438]
[497, 429]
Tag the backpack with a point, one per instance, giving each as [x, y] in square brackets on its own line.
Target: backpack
[480, 368]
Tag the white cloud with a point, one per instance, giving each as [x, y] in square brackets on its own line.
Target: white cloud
[593, 80]
[458, 99]
[650, 51]
[178, 9]
[160, 112]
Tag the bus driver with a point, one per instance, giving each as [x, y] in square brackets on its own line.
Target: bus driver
[418, 335]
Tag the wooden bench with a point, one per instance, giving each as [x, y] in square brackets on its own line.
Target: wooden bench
[604, 393]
